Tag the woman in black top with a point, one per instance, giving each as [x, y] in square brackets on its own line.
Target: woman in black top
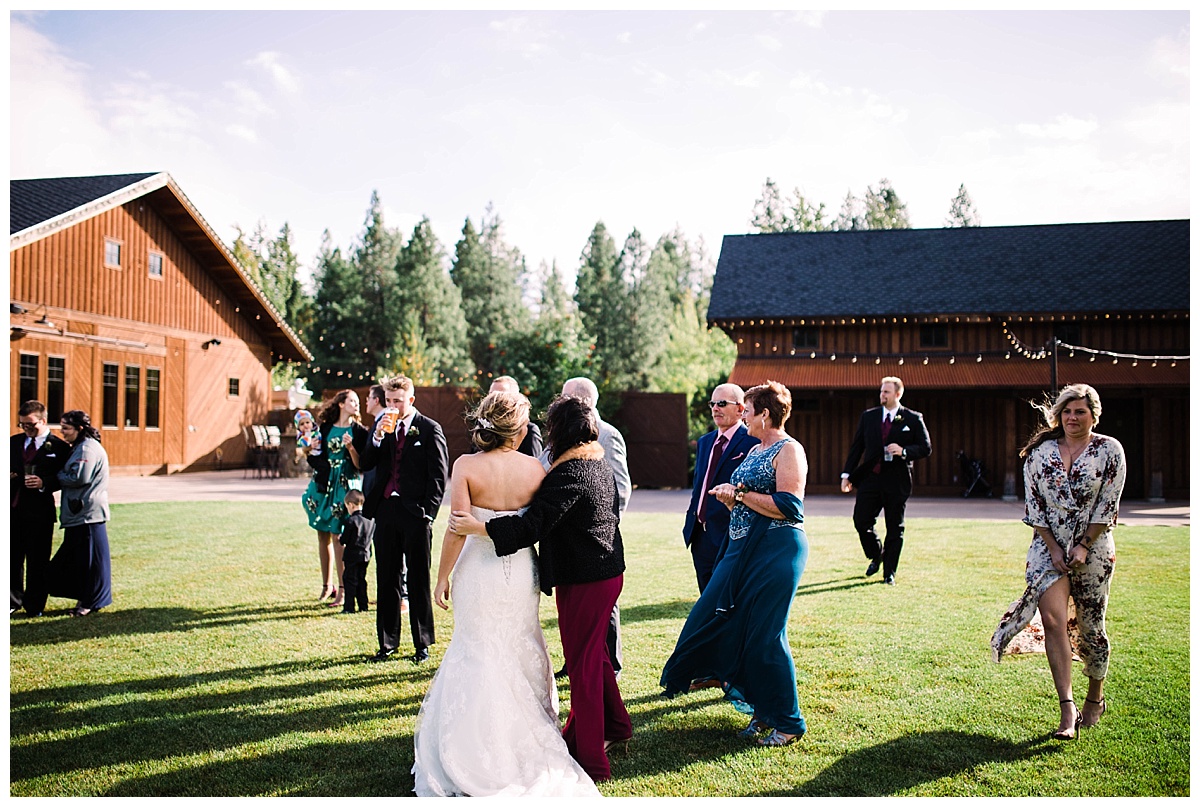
[573, 519]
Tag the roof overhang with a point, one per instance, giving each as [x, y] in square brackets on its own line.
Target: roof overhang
[169, 200]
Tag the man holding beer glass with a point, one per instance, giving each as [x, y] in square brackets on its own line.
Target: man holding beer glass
[35, 458]
[408, 453]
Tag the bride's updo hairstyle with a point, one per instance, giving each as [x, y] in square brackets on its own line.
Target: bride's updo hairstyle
[498, 419]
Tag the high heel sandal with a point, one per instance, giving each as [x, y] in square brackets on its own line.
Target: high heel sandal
[1103, 704]
[755, 728]
[325, 592]
[1062, 733]
[612, 745]
[338, 598]
[777, 740]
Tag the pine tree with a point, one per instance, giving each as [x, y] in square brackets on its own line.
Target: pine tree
[851, 216]
[885, 211]
[770, 210]
[432, 319]
[602, 300]
[962, 211]
[335, 330]
[489, 275]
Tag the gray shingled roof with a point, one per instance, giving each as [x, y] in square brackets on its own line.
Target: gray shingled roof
[1113, 266]
[36, 200]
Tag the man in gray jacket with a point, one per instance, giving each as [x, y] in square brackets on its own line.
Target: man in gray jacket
[614, 451]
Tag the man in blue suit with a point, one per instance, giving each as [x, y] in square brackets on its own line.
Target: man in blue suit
[718, 453]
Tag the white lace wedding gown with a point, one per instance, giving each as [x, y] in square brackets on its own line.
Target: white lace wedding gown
[489, 724]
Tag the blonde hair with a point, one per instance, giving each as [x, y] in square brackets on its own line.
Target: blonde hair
[498, 419]
[894, 381]
[1051, 413]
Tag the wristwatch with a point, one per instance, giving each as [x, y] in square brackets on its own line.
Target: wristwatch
[739, 495]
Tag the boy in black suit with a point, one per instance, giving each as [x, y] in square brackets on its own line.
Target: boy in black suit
[356, 537]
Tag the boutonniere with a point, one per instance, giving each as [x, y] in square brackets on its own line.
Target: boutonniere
[414, 431]
[898, 418]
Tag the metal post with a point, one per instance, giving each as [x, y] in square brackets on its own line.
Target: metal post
[1053, 346]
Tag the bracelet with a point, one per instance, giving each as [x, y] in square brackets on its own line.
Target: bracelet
[739, 495]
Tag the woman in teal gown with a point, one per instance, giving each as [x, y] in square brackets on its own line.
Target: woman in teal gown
[737, 630]
[334, 460]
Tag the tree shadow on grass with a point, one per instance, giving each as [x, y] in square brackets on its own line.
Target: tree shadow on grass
[141, 621]
[340, 769]
[135, 725]
[906, 762]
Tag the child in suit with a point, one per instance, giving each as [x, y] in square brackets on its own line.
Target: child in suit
[356, 537]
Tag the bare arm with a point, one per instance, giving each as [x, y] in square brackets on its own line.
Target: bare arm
[452, 543]
[791, 475]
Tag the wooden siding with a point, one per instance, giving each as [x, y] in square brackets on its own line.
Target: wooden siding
[1143, 334]
[126, 317]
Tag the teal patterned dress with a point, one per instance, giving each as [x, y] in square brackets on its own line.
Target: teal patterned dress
[327, 509]
[737, 630]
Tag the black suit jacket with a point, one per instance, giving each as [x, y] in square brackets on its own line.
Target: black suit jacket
[908, 430]
[357, 536]
[49, 460]
[423, 466]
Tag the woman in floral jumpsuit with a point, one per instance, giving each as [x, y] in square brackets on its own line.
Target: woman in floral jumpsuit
[1073, 484]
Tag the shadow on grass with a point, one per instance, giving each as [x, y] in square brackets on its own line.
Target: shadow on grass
[832, 585]
[136, 726]
[140, 621]
[914, 759]
[344, 770]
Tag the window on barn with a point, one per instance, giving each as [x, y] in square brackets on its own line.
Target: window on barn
[934, 335]
[110, 379]
[152, 381]
[28, 381]
[112, 253]
[806, 338]
[133, 388]
[155, 264]
[56, 387]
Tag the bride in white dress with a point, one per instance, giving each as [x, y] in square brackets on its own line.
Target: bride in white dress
[489, 724]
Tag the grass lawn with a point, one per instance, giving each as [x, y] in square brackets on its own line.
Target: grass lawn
[215, 673]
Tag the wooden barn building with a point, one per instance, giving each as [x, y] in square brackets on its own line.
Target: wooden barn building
[963, 317]
[125, 303]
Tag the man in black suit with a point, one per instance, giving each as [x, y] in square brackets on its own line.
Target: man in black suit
[706, 527]
[532, 444]
[32, 499]
[888, 439]
[410, 465]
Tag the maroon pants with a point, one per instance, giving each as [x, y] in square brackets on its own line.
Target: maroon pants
[597, 711]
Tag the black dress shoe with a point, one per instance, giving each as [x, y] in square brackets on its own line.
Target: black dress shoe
[872, 567]
[890, 579]
[384, 655]
[421, 656]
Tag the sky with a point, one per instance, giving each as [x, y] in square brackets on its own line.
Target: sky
[650, 120]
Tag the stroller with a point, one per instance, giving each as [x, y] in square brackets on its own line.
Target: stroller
[973, 476]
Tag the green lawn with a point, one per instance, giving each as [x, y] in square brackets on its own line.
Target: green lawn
[215, 673]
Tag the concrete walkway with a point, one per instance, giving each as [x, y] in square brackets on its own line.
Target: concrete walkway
[234, 486]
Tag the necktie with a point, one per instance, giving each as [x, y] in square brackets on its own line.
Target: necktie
[393, 485]
[27, 458]
[718, 451]
[884, 431]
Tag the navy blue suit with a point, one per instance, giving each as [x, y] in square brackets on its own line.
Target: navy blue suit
[708, 539]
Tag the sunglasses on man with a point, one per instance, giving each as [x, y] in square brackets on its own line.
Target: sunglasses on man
[722, 404]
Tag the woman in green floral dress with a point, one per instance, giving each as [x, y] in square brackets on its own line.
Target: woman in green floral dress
[334, 460]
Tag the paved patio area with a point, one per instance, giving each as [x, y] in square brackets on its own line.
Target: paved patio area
[230, 486]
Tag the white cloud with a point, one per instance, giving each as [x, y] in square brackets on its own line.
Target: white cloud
[769, 42]
[242, 132]
[54, 129]
[523, 35]
[1171, 56]
[247, 100]
[269, 61]
[149, 108]
[625, 37]
[813, 19]
[1064, 127]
